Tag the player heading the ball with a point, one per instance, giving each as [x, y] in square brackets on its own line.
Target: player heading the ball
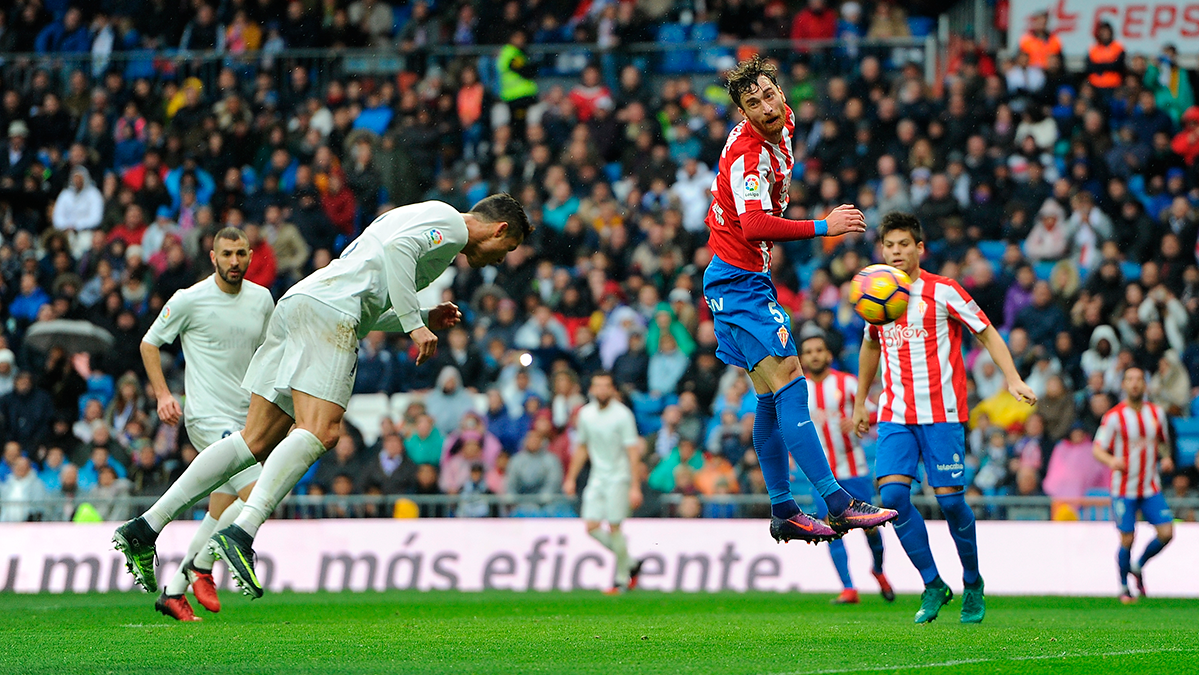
[752, 331]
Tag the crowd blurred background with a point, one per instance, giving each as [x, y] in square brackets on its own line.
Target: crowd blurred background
[1063, 200]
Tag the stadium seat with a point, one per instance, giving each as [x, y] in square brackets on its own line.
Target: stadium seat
[405, 508]
[675, 61]
[1186, 431]
[399, 404]
[1098, 505]
[921, 26]
[1131, 270]
[481, 404]
[992, 250]
[366, 411]
[708, 58]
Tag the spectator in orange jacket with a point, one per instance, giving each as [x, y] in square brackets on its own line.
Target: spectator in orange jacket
[1038, 42]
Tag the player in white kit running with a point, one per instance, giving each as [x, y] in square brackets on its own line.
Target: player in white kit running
[607, 435]
[303, 373]
[220, 322]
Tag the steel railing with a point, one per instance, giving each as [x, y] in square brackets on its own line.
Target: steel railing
[438, 506]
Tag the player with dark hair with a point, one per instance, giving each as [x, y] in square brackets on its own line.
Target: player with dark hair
[220, 322]
[752, 330]
[831, 397]
[303, 374]
[1131, 438]
[922, 410]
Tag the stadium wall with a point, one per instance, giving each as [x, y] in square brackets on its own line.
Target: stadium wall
[1018, 558]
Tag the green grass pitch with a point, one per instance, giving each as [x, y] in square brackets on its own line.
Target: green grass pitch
[643, 633]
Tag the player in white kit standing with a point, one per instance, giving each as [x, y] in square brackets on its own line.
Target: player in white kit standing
[303, 374]
[220, 322]
[607, 435]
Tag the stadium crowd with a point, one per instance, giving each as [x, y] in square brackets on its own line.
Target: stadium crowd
[1064, 202]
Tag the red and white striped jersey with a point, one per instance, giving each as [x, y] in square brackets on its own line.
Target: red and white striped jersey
[1133, 436]
[754, 174]
[924, 375]
[830, 401]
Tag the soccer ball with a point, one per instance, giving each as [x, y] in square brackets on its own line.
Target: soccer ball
[879, 293]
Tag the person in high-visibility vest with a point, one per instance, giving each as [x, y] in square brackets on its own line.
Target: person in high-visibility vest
[517, 87]
[1106, 60]
[1038, 42]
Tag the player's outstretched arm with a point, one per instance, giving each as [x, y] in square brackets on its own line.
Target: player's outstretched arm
[169, 410]
[868, 357]
[762, 226]
[997, 348]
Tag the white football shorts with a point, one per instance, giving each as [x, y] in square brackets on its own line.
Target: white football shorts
[606, 500]
[310, 347]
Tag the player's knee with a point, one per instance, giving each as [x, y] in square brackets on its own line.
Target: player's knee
[1166, 535]
[896, 495]
[329, 436]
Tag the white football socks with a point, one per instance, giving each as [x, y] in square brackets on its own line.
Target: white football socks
[603, 536]
[215, 465]
[204, 559]
[620, 547]
[280, 472]
[178, 583]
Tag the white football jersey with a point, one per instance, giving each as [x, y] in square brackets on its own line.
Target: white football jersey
[376, 278]
[608, 433]
[219, 332]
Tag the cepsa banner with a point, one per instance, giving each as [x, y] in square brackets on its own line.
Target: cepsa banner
[1143, 27]
[1016, 558]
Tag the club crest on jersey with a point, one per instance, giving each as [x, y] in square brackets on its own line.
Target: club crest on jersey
[921, 307]
[435, 237]
[753, 187]
[783, 335]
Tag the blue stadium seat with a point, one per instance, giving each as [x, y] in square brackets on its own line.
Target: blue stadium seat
[921, 26]
[708, 58]
[1131, 270]
[992, 250]
[1187, 432]
[1100, 509]
[400, 15]
[675, 61]
[1043, 270]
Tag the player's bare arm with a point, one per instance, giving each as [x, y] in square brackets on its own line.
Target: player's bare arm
[1166, 458]
[868, 358]
[577, 460]
[635, 497]
[169, 410]
[1108, 459]
[993, 341]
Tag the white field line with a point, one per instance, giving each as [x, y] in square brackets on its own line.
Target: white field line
[963, 662]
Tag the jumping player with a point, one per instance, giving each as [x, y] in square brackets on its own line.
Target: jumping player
[752, 330]
[1131, 438]
[831, 396]
[303, 373]
[922, 410]
[607, 436]
[220, 321]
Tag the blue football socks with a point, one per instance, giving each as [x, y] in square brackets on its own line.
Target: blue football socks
[875, 539]
[1151, 550]
[772, 458]
[1124, 558]
[960, 519]
[911, 529]
[836, 549]
[802, 441]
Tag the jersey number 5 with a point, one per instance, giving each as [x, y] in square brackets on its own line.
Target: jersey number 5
[777, 313]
